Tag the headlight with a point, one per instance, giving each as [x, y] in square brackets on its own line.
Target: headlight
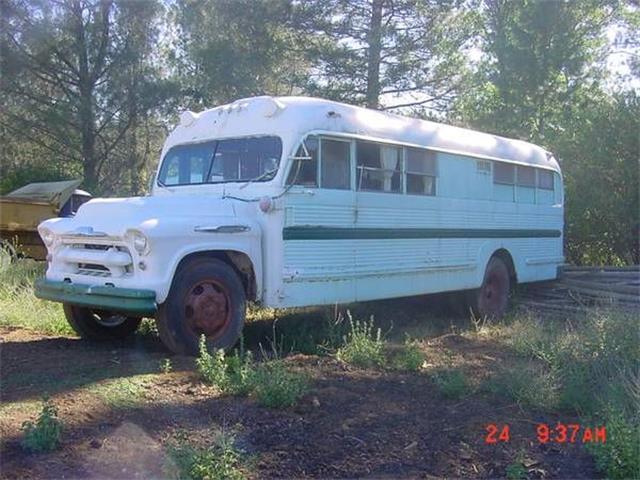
[48, 237]
[139, 242]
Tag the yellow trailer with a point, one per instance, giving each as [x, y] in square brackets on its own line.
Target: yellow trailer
[23, 209]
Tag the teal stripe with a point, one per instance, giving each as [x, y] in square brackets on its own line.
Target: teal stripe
[333, 233]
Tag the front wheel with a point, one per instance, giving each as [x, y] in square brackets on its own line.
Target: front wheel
[100, 325]
[492, 298]
[206, 298]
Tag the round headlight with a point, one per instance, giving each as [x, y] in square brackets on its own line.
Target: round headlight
[48, 237]
[139, 242]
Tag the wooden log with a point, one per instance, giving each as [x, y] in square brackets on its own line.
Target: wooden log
[556, 308]
[606, 288]
[606, 295]
[605, 268]
[622, 276]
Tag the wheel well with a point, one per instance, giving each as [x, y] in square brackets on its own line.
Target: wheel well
[239, 261]
[505, 256]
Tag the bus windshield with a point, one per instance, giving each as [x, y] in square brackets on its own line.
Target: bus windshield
[219, 161]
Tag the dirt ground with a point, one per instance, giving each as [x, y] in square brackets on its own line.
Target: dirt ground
[120, 411]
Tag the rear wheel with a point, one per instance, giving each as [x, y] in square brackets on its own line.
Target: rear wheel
[206, 298]
[100, 324]
[492, 298]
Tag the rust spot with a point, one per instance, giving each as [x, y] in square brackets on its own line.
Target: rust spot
[208, 308]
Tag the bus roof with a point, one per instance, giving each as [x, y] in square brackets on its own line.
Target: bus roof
[292, 117]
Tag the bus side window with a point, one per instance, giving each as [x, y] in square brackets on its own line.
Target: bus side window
[545, 179]
[335, 164]
[526, 176]
[545, 184]
[378, 167]
[504, 173]
[421, 171]
[305, 171]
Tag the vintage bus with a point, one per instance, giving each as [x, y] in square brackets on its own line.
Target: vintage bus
[297, 201]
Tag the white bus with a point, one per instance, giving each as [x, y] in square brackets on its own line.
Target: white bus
[298, 201]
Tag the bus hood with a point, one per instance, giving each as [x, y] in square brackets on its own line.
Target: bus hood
[114, 216]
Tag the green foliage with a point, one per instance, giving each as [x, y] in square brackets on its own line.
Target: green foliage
[81, 112]
[528, 385]
[600, 154]
[590, 368]
[363, 346]
[231, 374]
[23, 174]
[44, 434]
[368, 53]
[235, 49]
[221, 461]
[410, 357]
[619, 457]
[276, 387]
[452, 383]
[166, 365]
[270, 382]
[516, 471]
[122, 393]
[535, 52]
[18, 305]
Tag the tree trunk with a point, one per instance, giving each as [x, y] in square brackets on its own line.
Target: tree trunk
[374, 41]
[86, 113]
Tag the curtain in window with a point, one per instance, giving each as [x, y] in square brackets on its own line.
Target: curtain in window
[390, 164]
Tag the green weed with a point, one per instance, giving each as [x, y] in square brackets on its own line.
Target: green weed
[590, 367]
[44, 434]
[516, 471]
[410, 357]
[166, 366]
[221, 461]
[528, 385]
[20, 308]
[271, 383]
[274, 386]
[452, 383]
[231, 374]
[619, 457]
[122, 393]
[363, 346]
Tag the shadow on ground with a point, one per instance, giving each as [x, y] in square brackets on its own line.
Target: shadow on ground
[352, 423]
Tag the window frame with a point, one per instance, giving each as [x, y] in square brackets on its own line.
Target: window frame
[506, 164]
[434, 176]
[361, 168]
[535, 176]
[319, 177]
[295, 158]
[553, 180]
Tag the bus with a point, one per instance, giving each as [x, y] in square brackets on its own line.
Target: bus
[297, 201]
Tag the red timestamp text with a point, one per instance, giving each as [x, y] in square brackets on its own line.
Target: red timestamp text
[545, 433]
[570, 433]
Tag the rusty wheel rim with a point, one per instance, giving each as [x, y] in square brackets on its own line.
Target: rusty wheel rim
[207, 308]
[494, 292]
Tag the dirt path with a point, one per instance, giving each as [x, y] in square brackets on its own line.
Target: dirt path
[119, 411]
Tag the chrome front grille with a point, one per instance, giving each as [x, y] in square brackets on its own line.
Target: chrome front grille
[97, 259]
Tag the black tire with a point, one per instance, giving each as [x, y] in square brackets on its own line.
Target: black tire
[100, 325]
[491, 300]
[206, 298]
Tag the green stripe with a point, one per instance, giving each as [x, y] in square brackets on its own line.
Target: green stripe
[333, 233]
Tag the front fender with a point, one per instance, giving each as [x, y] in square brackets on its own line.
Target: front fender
[245, 241]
